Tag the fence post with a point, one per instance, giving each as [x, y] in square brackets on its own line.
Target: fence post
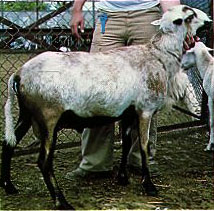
[209, 42]
[93, 10]
[37, 10]
[2, 12]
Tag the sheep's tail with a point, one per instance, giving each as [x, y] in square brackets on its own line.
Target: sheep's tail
[10, 137]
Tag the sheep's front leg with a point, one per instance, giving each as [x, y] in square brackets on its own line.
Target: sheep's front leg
[126, 145]
[144, 126]
[210, 146]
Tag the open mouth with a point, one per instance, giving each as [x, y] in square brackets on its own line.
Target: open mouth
[189, 42]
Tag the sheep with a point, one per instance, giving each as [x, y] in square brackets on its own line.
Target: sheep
[184, 93]
[77, 90]
[200, 56]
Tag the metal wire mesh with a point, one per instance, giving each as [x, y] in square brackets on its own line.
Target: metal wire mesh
[31, 27]
[27, 30]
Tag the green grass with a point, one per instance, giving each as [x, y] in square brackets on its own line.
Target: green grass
[9, 63]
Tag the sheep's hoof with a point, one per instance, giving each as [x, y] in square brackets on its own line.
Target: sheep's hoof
[150, 189]
[64, 206]
[210, 147]
[123, 179]
[8, 187]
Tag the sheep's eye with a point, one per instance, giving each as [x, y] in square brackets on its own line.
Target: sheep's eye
[189, 19]
[178, 21]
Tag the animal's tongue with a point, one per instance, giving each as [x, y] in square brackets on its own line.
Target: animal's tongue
[197, 39]
[185, 46]
[190, 42]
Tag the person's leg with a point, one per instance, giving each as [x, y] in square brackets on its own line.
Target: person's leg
[140, 28]
[112, 38]
[97, 143]
[141, 31]
[134, 157]
[97, 149]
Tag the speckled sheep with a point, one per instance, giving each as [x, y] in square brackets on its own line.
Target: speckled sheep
[79, 90]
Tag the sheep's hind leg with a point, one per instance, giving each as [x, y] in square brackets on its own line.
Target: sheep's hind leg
[45, 163]
[22, 127]
[144, 127]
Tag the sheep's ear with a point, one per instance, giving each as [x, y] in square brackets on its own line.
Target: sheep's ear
[156, 23]
[210, 49]
[210, 20]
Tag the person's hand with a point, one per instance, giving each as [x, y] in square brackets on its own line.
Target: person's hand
[76, 22]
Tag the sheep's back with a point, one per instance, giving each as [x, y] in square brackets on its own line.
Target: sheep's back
[85, 83]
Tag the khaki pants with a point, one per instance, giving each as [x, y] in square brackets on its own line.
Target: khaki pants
[122, 28]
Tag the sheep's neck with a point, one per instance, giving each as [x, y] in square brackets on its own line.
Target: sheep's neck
[203, 59]
[169, 42]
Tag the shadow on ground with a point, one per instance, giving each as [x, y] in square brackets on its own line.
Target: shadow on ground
[183, 174]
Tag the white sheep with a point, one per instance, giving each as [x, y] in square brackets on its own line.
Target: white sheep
[78, 90]
[200, 56]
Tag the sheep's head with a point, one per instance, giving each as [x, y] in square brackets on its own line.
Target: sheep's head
[201, 22]
[189, 58]
[183, 20]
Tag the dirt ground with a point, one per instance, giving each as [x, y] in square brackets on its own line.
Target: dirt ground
[183, 173]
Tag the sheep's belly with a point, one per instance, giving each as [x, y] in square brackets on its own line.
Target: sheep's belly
[99, 102]
[70, 120]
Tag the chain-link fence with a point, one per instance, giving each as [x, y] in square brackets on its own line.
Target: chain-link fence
[31, 27]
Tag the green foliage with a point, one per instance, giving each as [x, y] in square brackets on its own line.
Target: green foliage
[23, 6]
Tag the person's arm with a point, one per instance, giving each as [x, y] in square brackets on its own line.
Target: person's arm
[77, 17]
[166, 4]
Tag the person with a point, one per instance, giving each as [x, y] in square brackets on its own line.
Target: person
[120, 23]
